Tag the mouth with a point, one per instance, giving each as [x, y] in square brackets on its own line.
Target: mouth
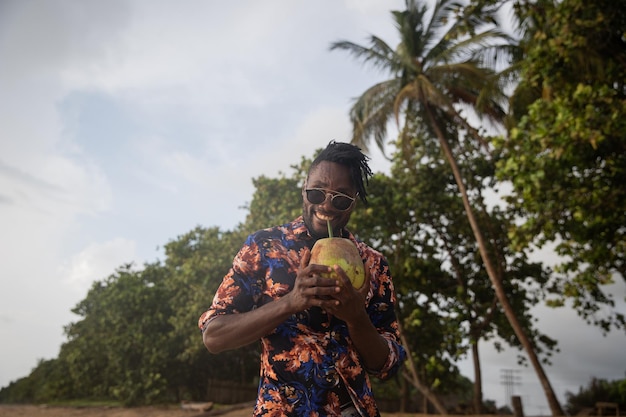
[324, 220]
[323, 217]
[321, 221]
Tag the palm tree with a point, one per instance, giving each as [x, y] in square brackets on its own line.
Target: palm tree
[438, 70]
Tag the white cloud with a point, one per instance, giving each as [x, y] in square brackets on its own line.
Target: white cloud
[96, 262]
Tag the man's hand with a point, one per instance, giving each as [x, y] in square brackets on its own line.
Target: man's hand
[351, 301]
[371, 346]
[311, 289]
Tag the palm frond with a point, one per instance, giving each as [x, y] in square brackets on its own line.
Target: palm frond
[466, 48]
[408, 92]
[380, 55]
[410, 25]
[442, 16]
[371, 112]
[498, 56]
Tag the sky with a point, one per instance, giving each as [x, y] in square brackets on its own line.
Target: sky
[125, 124]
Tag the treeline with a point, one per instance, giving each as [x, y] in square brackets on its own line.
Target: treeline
[460, 262]
[137, 341]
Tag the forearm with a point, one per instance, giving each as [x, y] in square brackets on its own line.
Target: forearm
[231, 331]
[372, 347]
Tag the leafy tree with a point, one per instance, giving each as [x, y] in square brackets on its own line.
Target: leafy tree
[45, 382]
[387, 224]
[119, 349]
[416, 218]
[597, 390]
[438, 67]
[276, 200]
[196, 263]
[566, 159]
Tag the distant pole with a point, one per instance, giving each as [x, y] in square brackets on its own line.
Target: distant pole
[509, 378]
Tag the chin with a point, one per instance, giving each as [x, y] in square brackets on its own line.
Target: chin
[319, 233]
[316, 228]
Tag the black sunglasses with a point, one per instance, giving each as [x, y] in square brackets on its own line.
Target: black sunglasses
[340, 201]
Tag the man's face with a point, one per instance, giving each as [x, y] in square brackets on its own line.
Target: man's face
[333, 178]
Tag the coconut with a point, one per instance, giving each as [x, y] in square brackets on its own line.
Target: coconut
[343, 252]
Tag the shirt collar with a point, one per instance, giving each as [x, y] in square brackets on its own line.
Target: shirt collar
[299, 227]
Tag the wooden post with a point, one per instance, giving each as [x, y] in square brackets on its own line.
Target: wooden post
[518, 411]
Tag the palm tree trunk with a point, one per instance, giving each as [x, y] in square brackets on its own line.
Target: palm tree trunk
[495, 279]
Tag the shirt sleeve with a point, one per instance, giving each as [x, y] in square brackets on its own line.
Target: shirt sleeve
[240, 288]
[381, 310]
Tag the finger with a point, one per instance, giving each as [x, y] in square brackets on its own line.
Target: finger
[342, 276]
[306, 257]
[327, 304]
[313, 286]
[319, 269]
[327, 291]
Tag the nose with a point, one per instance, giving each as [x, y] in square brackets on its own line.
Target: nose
[327, 203]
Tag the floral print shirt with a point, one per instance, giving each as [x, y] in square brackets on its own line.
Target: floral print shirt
[309, 366]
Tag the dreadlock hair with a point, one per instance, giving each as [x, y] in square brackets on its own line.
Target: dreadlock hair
[350, 156]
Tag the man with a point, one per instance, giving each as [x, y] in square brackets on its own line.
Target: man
[321, 338]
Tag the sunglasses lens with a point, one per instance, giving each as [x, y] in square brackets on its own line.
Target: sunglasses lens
[315, 196]
[341, 202]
